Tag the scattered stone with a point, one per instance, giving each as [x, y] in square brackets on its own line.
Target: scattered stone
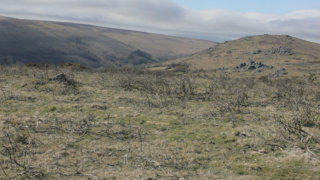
[280, 72]
[60, 78]
[242, 65]
[252, 66]
[259, 51]
[280, 50]
[240, 134]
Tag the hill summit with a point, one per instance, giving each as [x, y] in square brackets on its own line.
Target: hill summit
[276, 50]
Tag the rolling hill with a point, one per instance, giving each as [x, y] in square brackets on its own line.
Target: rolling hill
[277, 50]
[25, 41]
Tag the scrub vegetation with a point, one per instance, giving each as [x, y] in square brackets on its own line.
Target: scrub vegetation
[148, 123]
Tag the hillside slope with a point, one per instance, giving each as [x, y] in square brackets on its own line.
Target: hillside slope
[276, 50]
[55, 42]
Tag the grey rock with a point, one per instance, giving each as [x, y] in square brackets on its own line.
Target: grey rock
[60, 78]
[252, 66]
[280, 72]
[259, 51]
[280, 51]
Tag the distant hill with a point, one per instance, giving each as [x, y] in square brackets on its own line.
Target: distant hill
[25, 41]
[277, 50]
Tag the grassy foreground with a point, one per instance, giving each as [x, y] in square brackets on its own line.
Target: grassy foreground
[135, 124]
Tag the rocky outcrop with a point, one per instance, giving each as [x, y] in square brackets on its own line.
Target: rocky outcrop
[280, 51]
[252, 66]
[280, 72]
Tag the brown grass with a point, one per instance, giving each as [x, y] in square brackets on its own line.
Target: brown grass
[294, 54]
[139, 124]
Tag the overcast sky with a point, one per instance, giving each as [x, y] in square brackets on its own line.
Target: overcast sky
[208, 19]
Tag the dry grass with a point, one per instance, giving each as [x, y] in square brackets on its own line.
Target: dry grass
[280, 51]
[137, 124]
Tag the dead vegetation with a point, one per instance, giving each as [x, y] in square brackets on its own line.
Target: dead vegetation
[137, 123]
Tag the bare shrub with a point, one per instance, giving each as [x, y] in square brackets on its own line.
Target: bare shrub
[18, 148]
[295, 129]
[291, 93]
[165, 90]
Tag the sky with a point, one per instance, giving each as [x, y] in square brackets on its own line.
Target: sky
[262, 6]
[216, 20]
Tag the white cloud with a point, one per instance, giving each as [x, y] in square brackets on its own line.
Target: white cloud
[164, 16]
